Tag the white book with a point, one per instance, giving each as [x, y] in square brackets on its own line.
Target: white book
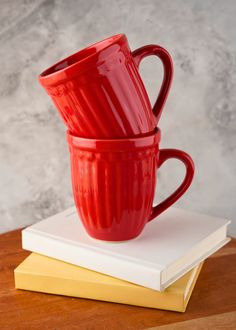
[168, 247]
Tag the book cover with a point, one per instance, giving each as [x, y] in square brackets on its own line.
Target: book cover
[169, 246]
[44, 274]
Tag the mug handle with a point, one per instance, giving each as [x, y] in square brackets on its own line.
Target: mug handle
[189, 165]
[165, 57]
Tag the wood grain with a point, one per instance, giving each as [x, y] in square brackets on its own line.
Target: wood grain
[216, 322]
[214, 295]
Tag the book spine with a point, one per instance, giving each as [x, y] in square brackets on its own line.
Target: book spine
[92, 259]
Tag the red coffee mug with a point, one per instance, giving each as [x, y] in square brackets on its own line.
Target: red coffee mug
[100, 94]
[114, 183]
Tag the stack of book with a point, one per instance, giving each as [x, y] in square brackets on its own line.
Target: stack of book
[158, 269]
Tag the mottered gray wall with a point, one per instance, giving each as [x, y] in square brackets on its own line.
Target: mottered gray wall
[199, 117]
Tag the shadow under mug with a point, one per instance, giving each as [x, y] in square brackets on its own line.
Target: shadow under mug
[99, 92]
[114, 183]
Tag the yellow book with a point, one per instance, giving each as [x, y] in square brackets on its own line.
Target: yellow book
[43, 274]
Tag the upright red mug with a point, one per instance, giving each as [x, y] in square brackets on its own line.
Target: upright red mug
[114, 183]
[99, 92]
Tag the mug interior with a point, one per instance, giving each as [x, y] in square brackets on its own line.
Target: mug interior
[81, 55]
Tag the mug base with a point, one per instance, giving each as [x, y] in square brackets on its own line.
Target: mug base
[109, 238]
[114, 242]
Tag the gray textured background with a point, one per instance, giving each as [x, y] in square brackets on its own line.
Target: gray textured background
[199, 116]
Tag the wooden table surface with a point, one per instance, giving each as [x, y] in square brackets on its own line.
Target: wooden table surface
[212, 305]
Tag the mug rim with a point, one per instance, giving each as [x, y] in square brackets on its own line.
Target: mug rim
[50, 76]
[114, 144]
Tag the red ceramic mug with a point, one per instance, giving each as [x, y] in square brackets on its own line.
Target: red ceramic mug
[99, 92]
[114, 183]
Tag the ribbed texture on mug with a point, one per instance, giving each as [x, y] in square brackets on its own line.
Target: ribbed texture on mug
[114, 192]
[110, 102]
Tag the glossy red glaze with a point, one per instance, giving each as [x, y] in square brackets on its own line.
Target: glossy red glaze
[114, 183]
[99, 92]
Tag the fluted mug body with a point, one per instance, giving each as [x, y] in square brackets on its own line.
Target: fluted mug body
[114, 183]
[99, 92]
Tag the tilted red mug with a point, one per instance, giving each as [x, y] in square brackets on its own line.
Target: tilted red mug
[99, 92]
[114, 183]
